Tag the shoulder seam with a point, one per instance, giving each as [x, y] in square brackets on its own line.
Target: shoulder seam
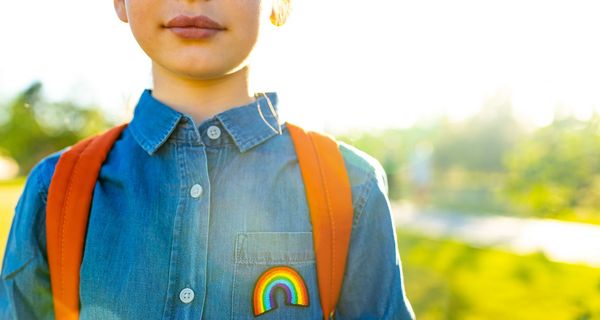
[362, 201]
[42, 188]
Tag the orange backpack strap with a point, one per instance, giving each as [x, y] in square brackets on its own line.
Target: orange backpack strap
[67, 212]
[329, 199]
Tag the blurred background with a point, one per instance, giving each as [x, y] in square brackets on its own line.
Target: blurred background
[484, 114]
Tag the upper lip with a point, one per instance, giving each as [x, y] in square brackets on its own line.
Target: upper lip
[200, 21]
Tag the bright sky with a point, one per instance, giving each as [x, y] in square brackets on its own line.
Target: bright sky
[338, 63]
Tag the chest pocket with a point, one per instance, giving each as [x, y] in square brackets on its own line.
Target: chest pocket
[275, 276]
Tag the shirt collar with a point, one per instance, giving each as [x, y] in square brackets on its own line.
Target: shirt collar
[153, 122]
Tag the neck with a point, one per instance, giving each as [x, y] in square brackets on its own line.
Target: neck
[201, 99]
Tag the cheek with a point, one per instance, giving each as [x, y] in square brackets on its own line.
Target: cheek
[246, 18]
[245, 13]
[144, 20]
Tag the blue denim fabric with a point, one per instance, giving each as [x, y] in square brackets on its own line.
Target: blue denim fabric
[149, 238]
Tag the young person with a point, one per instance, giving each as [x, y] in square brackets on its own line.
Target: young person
[202, 193]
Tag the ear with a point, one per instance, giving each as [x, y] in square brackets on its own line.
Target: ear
[280, 12]
[120, 9]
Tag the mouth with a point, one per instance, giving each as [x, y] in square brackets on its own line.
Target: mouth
[194, 27]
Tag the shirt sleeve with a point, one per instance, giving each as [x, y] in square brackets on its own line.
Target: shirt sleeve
[373, 283]
[25, 291]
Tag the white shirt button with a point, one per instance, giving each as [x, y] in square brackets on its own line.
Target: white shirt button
[196, 191]
[213, 132]
[186, 295]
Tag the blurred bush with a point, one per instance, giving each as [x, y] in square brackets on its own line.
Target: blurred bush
[492, 163]
[31, 127]
[556, 169]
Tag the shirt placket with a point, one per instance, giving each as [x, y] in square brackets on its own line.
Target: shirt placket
[187, 278]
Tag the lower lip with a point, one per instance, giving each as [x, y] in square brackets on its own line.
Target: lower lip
[194, 33]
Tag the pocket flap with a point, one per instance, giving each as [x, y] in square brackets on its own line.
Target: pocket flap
[274, 247]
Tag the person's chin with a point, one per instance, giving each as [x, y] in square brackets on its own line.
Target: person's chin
[201, 72]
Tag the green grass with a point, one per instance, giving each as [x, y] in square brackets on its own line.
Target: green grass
[449, 280]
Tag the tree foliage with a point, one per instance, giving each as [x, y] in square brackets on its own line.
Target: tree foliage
[34, 127]
[556, 168]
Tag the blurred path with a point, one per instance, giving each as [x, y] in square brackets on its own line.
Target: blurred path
[560, 241]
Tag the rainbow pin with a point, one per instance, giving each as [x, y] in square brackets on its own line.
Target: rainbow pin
[280, 277]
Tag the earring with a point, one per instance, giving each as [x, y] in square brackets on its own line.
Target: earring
[275, 115]
[275, 19]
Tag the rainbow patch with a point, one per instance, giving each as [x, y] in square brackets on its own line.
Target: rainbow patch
[280, 277]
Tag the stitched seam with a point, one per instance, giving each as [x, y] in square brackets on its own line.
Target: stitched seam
[238, 139]
[195, 143]
[237, 249]
[290, 256]
[169, 306]
[330, 216]
[242, 141]
[42, 189]
[63, 215]
[276, 261]
[143, 140]
[140, 137]
[257, 140]
[43, 196]
[164, 137]
[361, 203]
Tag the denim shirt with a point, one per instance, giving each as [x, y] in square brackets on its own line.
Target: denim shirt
[186, 217]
